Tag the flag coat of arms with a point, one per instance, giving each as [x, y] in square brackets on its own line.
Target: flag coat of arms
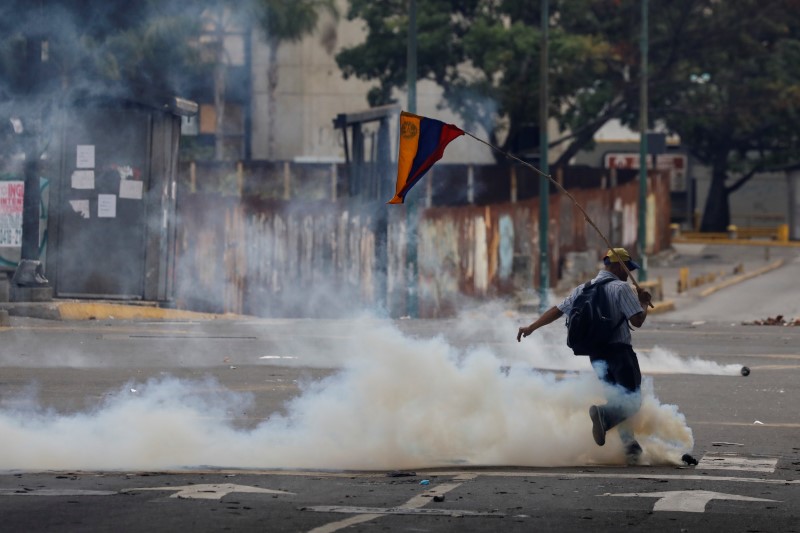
[422, 143]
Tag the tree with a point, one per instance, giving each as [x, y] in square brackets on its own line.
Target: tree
[53, 54]
[485, 56]
[285, 22]
[721, 74]
[739, 110]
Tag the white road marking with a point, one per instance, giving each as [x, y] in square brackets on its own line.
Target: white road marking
[593, 475]
[416, 502]
[782, 425]
[215, 491]
[687, 501]
[728, 461]
[396, 510]
[56, 492]
[458, 475]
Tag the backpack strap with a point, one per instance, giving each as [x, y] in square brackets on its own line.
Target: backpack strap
[603, 282]
[599, 282]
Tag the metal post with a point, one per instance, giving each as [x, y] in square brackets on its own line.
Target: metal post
[411, 57]
[29, 271]
[412, 305]
[544, 184]
[643, 104]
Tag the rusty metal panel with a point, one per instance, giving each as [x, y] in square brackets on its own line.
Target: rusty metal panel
[277, 261]
[269, 258]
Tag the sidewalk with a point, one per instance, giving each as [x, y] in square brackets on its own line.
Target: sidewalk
[711, 267]
[103, 310]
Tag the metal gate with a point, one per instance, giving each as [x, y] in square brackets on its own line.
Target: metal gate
[112, 222]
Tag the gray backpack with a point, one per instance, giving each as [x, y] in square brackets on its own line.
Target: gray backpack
[589, 323]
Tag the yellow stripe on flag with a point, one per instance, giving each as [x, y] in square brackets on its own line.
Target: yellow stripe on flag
[409, 143]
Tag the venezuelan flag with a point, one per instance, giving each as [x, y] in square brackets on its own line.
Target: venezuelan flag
[422, 143]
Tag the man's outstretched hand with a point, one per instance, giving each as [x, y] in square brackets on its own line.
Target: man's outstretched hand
[524, 332]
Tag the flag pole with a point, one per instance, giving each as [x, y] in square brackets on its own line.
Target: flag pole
[565, 191]
[412, 281]
[544, 159]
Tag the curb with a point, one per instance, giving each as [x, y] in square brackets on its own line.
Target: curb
[42, 311]
[72, 311]
[106, 311]
[736, 242]
[741, 278]
[662, 307]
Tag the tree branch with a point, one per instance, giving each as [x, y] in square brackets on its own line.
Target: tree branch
[744, 179]
[586, 133]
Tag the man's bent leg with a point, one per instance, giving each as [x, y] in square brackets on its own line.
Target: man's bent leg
[620, 368]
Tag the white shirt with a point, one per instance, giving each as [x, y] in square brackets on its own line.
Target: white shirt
[622, 302]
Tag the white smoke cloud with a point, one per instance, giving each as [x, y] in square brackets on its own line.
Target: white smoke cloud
[661, 360]
[397, 402]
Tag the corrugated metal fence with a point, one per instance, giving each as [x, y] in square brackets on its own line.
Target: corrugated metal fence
[323, 258]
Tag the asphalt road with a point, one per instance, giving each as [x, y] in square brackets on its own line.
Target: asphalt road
[301, 425]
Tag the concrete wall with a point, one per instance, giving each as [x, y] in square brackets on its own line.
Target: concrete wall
[311, 92]
[762, 201]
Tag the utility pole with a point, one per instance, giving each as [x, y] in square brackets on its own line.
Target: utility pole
[412, 305]
[544, 184]
[643, 104]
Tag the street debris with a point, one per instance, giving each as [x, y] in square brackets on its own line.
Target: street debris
[745, 371]
[689, 460]
[759, 422]
[774, 321]
[425, 482]
[438, 498]
[400, 473]
[726, 444]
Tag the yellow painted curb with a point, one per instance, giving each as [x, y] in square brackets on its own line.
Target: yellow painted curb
[737, 242]
[662, 307]
[106, 311]
[743, 277]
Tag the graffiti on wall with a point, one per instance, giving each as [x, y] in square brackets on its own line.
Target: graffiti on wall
[323, 258]
[12, 190]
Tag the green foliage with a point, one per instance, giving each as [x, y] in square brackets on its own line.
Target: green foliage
[486, 55]
[737, 103]
[721, 74]
[148, 54]
[290, 20]
[96, 47]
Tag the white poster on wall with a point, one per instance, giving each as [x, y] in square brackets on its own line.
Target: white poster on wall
[11, 194]
[84, 157]
[81, 207]
[106, 206]
[131, 189]
[82, 179]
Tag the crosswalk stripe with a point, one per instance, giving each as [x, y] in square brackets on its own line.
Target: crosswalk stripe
[729, 461]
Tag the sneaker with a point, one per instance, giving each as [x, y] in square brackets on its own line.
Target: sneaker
[633, 452]
[598, 429]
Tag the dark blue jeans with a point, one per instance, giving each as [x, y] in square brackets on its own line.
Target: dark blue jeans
[618, 366]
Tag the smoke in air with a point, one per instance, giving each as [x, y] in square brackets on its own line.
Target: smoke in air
[397, 402]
